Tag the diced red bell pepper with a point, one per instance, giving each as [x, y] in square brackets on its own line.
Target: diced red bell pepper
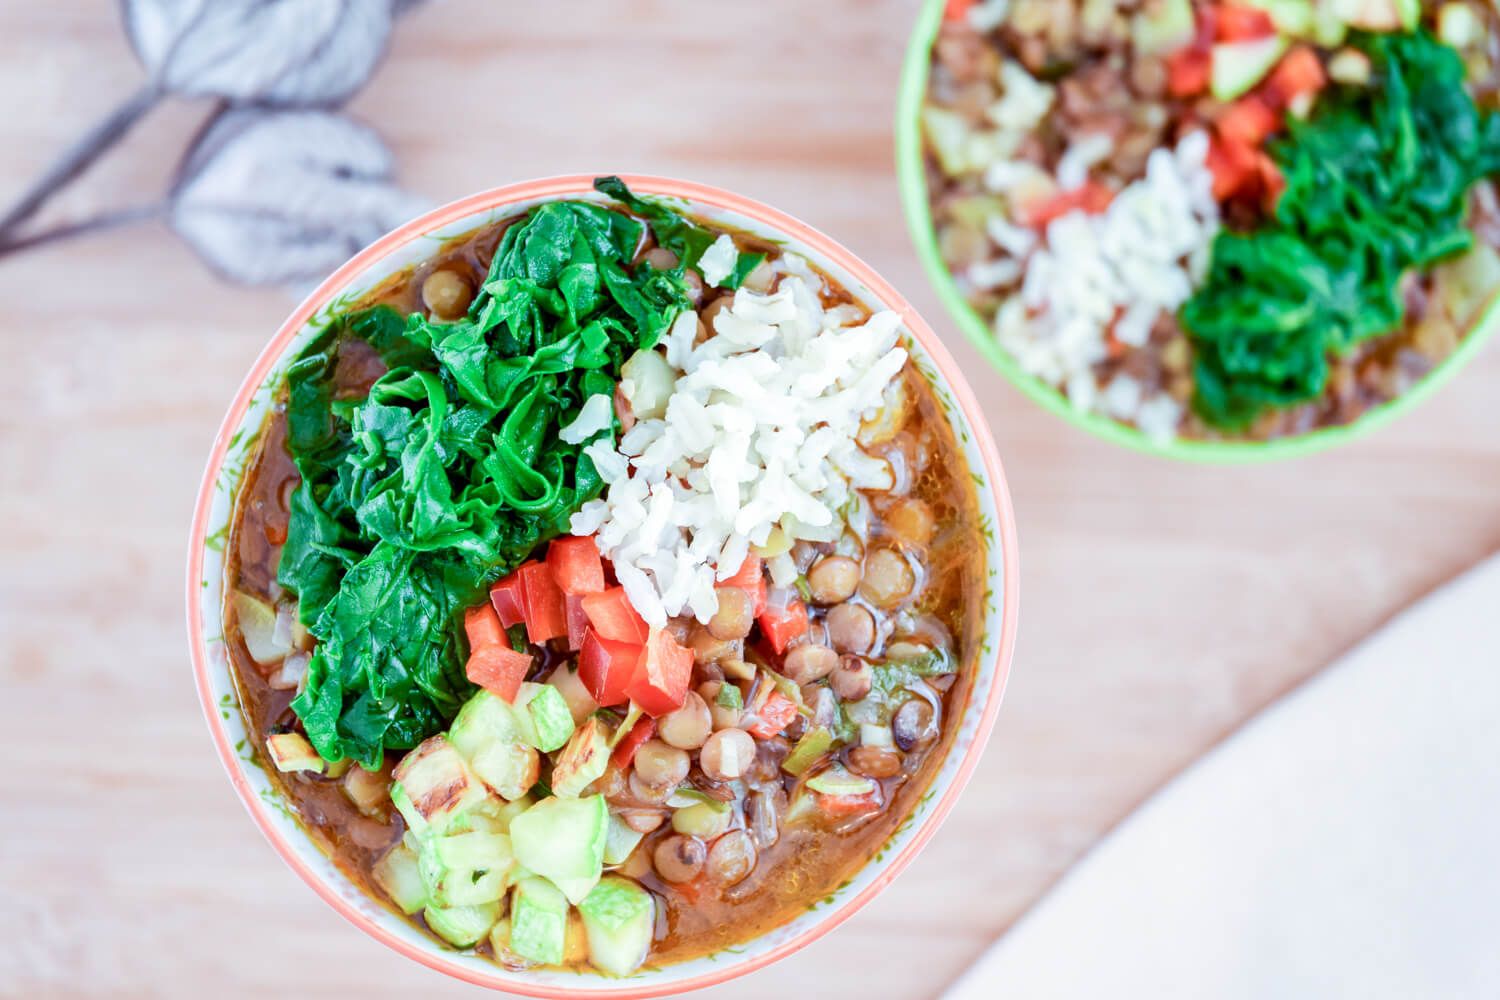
[1248, 122]
[1233, 166]
[612, 616]
[576, 565]
[848, 805]
[957, 10]
[546, 615]
[1093, 197]
[1299, 72]
[661, 677]
[624, 752]
[750, 573]
[781, 625]
[1243, 24]
[1188, 72]
[607, 667]
[774, 716]
[482, 626]
[578, 620]
[498, 669]
[1272, 182]
[509, 600]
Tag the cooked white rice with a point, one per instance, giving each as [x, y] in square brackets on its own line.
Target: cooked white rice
[758, 435]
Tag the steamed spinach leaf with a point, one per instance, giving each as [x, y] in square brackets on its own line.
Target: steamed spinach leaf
[1377, 184]
[448, 472]
[681, 235]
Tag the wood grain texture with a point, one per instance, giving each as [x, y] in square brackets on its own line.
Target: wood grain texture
[1161, 604]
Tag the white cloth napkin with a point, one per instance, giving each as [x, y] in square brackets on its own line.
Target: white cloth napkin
[1344, 843]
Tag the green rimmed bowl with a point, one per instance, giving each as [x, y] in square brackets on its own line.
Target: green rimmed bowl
[912, 177]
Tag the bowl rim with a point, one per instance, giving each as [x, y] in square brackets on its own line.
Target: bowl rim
[912, 181]
[798, 233]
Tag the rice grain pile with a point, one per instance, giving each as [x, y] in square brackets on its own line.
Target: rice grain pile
[751, 443]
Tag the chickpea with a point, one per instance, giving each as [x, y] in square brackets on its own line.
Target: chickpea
[875, 762]
[914, 724]
[809, 662]
[888, 578]
[851, 628]
[679, 858]
[641, 820]
[852, 680]
[707, 649]
[724, 716]
[661, 258]
[688, 727]
[761, 817]
[731, 858]
[761, 279]
[911, 522]
[712, 310]
[694, 282]
[642, 792]
[737, 669]
[823, 704]
[735, 614]
[833, 579]
[727, 754]
[701, 820]
[446, 294]
[660, 765]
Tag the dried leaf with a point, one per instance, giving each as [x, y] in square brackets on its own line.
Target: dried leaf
[274, 197]
[286, 52]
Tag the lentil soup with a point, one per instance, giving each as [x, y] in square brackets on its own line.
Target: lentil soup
[717, 740]
[1221, 221]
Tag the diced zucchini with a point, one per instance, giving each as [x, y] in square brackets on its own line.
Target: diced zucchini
[620, 841]
[483, 720]
[1236, 67]
[1377, 15]
[504, 812]
[582, 761]
[1464, 284]
[511, 769]
[542, 716]
[562, 839]
[500, 944]
[257, 622]
[368, 790]
[948, 135]
[1291, 17]
[432, 785]
[1328, 28]
[809, 749]
[580, 703]
[462, 926]
[576, 888]
[1350, 66]
[466, 869]
[292, 752]
[538, 921]
[1458, 26]
[1161, 27]
[837, 781]
[399, 876]
[647, 382]
[620, 919]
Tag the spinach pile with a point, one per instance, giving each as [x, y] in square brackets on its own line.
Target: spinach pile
[1377, 184]
[449, 472]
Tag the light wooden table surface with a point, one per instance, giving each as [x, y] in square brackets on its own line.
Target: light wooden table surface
[1161, 604]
